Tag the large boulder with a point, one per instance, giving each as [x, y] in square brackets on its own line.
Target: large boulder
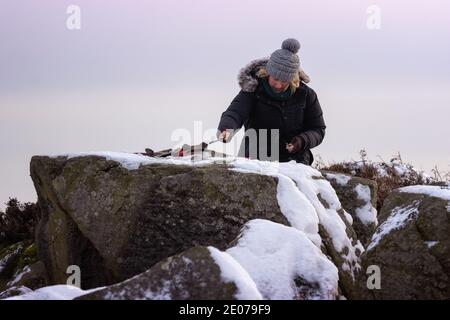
[114, 222]
[199, 273]
[116, 215]
[358, 197]
[411, 247]
[312, 206]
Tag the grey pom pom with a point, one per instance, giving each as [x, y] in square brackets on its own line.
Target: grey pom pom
[291, 44]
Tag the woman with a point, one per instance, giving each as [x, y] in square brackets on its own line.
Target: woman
[275, 104]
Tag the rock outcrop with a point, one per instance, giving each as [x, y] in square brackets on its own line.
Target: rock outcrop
[358, 197]
[116, 216]
[199, 227]
[411, 246]
[115, 223]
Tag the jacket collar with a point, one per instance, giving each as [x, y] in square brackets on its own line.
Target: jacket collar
[248, 81]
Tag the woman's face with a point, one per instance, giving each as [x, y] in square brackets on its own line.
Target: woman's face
[278, 85]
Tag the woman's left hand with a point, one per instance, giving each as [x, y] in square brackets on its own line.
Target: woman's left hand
[290, 147]
[295, 145]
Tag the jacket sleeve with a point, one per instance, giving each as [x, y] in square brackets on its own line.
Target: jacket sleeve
[238, 111]
[314, 124]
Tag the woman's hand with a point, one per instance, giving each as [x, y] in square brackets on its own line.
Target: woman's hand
[295, 146]
[224, 136]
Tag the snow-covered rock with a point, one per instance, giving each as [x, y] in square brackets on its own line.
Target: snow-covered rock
[411, 246]
[358, 197]
[129, 212]
[284, 263]
[200, 273]
[127, 220]
[32, 276]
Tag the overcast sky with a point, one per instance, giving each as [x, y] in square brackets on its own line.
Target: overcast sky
[137, 71]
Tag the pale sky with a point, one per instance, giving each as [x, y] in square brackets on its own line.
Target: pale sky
[138, 71]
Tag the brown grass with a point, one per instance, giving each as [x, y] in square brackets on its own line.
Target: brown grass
[365, 168]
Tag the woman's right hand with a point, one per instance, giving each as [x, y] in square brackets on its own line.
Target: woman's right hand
[224, 136]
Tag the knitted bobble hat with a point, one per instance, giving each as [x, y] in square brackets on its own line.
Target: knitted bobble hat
[284, 63]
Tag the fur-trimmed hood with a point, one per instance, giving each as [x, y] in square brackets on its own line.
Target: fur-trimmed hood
[248, 81]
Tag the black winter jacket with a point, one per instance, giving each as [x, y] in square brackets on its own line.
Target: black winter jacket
[301, 115]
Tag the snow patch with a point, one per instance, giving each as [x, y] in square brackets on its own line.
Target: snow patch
[397, 219]
[431, 243]
[341, 179]
[133, 161]
[433, 191]
[381, 171]
[401, 169]
[367, 214]
[20, 290]
[58, 292]
[276, 256]
[232, 271]
[297, 209]
[18, 276]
